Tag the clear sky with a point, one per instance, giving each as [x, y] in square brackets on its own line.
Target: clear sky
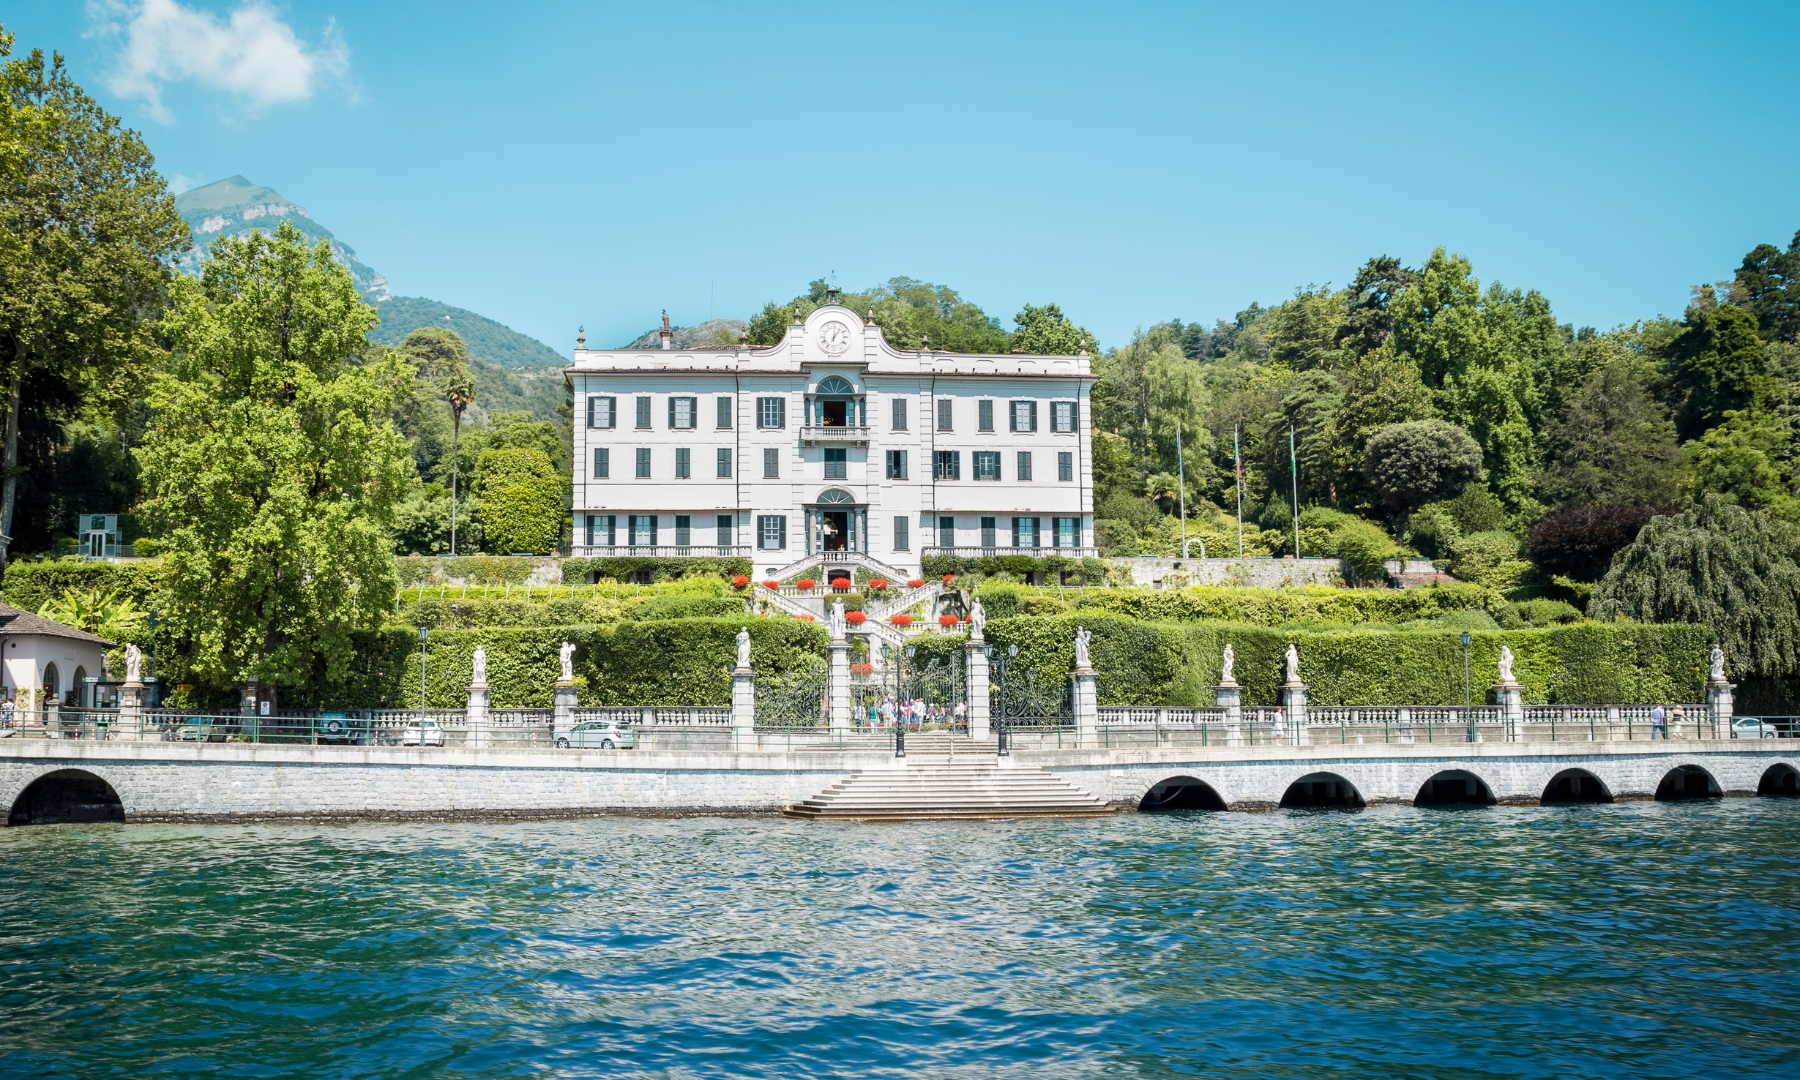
[551, 163]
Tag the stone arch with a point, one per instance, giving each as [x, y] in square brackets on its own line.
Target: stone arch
[1321, 789]
[1180, 793]
[1575, 786]
[66, 795]
[1454, 787]
[79, 685]
[52, 682]
[1781, 780]
[1685, 782]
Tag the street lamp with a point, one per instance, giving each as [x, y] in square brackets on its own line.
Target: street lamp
[423, 631]
[1466, 709]
[900, 722]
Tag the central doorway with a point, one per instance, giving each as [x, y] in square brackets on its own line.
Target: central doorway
[834, 530]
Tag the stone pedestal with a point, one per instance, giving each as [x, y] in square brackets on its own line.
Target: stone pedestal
[477, 722]
[980, 726]
[563, 715]
[838, 689]
[1230, 697]
[132, 698]
[1293, 703]
[1087, 707]
[1511, 700]
[743, 707]
[1719, 708]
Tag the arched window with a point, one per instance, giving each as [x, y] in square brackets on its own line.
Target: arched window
[834, 385]
[79, 687]
[836, 495]
[52, 681]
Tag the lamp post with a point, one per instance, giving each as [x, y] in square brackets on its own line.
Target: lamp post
[1467, 711]
[1001, 664]
[423, 631]
[900, 721]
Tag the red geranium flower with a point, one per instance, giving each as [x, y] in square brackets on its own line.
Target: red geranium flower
[805, 583]
[840, 583]
[809, 618]
[771, 584]
[855, 617]
[901, 619]
[946, 620]
[916, 583]
[878, 583]
[739, 581]
[948, 578]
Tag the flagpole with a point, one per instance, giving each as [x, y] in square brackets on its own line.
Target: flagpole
[1237, 466]
[1294, 468]
[1181, 492]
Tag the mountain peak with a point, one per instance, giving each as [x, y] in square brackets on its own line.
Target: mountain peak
[234, 206]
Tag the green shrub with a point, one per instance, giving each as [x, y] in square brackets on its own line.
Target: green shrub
[1364, 547]
[1527, 613]
[689, 607]
[624, 568]
[1143, 663]
[28, 586]
[1275, 607]
[1081, 571]
[473, 569]
[521, 508]
[1488, 558]
[1432, 529]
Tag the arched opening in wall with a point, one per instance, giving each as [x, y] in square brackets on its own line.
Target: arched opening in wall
[79, 687]
[1687, 782]
[66, 796]
[1321, 789]
[1454, 787]
[1180, 793]
[52, 682]
[1573, 787]
[1781, 781]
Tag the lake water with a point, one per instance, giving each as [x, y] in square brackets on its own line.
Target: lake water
[1638, 939]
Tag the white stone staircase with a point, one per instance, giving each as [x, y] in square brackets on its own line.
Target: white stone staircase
[944, 789]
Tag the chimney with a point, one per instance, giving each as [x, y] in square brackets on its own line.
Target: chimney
[667, 335]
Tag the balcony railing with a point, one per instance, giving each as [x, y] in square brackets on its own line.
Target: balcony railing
[658, 551]
[1036, 552]
[817, 434]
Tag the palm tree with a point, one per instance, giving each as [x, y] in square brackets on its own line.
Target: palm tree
[459, 393]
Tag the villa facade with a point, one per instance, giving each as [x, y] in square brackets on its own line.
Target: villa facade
[831, 441]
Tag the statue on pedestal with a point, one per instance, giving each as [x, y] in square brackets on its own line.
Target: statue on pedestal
[977, 620]
[1226, 663]
[1081, 647]
[1293, 664]
[837, 619]
[1506, 663]
[743, 647]
[479, 675]
[1718, 665]
[134, 663]
[567, 652]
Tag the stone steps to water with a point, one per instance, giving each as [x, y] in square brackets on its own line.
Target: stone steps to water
[946, 791]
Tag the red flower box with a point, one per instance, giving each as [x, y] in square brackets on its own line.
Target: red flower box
[771, 584]
[805, 583]
[862, 669]
[739, 581]
[901, 619]
[947, 620]
[948, 578]
[878, 583]
[855, 618]
[916, 583]
[840, 583]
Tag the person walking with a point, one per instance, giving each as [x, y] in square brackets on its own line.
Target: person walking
[1279, 728]
[1656, 724]
[7, 712]
[1677, 716]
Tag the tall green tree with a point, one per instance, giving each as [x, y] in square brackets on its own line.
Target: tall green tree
[1721, 565]
[273, 465]
[1716, 365]
[1413, 464]
[87, 227]
[522, 503]
[1046, 331]
[1615, 445]
[1767, 285]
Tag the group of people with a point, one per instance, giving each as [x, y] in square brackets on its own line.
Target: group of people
[1666, 725]
[915, 714]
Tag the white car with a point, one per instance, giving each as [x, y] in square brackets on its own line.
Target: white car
[423, 734]
[1749, 727]
[604, 734]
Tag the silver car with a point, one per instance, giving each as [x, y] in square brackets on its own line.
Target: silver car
[427, 733]
[1749, 727]
[603, 734]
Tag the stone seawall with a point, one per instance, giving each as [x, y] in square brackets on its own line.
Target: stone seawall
[225, 782]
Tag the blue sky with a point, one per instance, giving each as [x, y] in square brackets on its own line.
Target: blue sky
[550, 164]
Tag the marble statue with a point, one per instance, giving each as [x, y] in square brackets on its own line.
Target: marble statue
[837, 619]
[1293, 664]
[1506, 662]
[480, 663]
[134, 663]
[743, 644]
[1081, 647]
[1226, 663]
[568, 662]
[977, 620]
[1718, 664]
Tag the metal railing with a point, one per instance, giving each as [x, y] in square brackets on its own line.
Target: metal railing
[1036, 552]
[659, 551]
[835, 433]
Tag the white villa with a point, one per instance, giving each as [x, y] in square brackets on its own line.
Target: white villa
[831, 441]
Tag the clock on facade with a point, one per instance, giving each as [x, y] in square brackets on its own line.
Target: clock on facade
[834, 337]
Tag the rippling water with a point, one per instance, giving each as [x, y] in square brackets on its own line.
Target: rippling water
[1632, 940]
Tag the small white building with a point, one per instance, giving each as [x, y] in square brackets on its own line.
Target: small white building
[46, 660]
[831, 441]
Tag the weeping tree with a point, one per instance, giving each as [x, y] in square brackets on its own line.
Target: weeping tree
[1720, 565]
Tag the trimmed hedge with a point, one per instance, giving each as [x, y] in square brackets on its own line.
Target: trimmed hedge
[671, 662]
[620, 568]
[28, 586]
[1256, 607]
[1149, 663]
[474, 569]
[1084, 571]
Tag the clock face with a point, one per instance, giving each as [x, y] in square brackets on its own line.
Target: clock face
[834, 337]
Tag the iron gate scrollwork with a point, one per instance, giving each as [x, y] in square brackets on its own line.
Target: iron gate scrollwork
[795, 699]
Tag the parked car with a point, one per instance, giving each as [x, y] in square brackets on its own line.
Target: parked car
[1749, 727]
[334, 729]
[604, 734]
[427, 733]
